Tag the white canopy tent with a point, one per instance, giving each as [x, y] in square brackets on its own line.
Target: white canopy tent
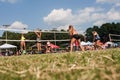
[7, 46]
[111, 43]
[83, 43]
[86, 43]
[89, 43]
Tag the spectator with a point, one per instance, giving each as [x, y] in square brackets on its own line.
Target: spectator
[48, 48]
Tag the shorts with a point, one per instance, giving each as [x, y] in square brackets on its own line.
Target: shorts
[76, 36]
[38, 40]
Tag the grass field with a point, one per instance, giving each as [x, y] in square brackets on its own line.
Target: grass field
[88, 65]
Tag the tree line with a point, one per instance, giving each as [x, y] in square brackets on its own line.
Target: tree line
[104, 30]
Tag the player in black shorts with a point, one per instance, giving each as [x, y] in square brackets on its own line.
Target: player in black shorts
[74, 37]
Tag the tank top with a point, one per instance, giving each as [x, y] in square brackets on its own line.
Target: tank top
[22, 38]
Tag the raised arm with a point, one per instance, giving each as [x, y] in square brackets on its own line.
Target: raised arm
[38, 33]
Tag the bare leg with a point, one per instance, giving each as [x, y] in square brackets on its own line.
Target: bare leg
[21, 45]
[39, 46]
[24, 45]
[81, 47]
[98, 43]
[71, 44]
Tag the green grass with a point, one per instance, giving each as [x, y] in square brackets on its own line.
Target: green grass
[88, 65]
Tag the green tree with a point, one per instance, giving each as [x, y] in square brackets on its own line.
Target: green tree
[104, 31]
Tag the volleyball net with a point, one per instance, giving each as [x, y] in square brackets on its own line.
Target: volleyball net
[34, 40]
[54, 37]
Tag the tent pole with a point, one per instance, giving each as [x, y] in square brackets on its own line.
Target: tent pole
[6, 31]
[55, 39]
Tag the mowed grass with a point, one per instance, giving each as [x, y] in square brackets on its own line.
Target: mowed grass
[88, 65]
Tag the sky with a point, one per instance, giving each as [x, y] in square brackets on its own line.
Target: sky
[59, 14]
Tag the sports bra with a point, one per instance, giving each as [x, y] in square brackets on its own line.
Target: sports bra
[22, 38]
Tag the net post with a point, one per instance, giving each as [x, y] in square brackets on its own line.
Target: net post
[110, 38]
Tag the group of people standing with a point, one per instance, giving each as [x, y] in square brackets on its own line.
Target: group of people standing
[38, 39]
[38, 44]
[74, 37]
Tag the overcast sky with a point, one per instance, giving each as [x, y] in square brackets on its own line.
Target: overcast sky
[49, 14]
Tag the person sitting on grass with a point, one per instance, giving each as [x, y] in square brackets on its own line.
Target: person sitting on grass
[48, 48]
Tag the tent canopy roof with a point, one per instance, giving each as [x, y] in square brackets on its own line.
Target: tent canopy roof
[7, 46]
